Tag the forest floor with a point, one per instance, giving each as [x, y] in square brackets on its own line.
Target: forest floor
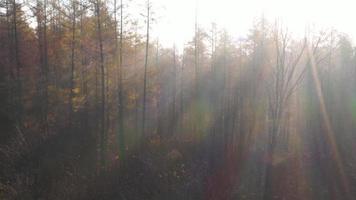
[61, 167]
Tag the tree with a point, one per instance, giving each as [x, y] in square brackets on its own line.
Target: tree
[17, 61]
[148, 19]
[41, 15]
[97, 5]
[174, 92]
[73, 41]
[285, 79]
[120, 130]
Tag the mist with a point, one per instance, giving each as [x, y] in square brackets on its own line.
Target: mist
[212, 100]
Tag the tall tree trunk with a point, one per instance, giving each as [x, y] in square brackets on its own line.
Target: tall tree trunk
[145, 70]
[136, 88]
[120, 103]
[83, 70]
[173, 127]
[19, 107]
[43, 51]
[196, 63]
[181, 114]
[158, 104]
[103, 101]
[71, 95]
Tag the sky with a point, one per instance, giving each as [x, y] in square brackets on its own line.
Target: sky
[175, 24]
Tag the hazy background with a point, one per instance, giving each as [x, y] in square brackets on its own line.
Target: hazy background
[175, 18]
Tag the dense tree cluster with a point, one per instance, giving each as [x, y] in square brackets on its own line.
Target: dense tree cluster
[92, 107]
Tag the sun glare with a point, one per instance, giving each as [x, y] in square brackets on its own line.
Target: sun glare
[237, 16]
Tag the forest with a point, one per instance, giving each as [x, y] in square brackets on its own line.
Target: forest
[92, 106]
